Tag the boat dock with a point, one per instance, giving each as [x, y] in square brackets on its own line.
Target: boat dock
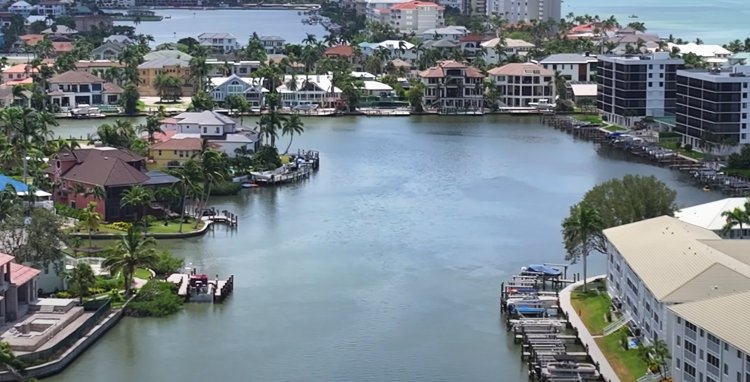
[301, 166]
[195, 287]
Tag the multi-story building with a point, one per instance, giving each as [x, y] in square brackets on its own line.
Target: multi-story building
[219, 130]
[273, 44]
[21, 8]
[712, 105]
[450, 32]
[519, 11]
[377, 10]
[459, 5]
[411, 16]
[638, 86]
[309, 90]
[219, 42]
[166, 62]
[716, 55]
[498, 49]
[54, 8]
[17, 73]
[217, 68]
[521, 84]
[452, 85]
[711, 216]
[74, 88]
[573, 67]
[249, 88]
[475, 7]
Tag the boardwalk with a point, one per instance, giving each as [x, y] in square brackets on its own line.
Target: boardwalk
[586, 338]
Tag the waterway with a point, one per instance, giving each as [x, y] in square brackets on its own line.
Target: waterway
[384, 266]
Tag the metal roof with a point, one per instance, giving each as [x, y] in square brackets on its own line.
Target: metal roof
[708, 215]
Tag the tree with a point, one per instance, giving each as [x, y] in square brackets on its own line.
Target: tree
[269, 126]
[694, 61]
[129, 99]
[582, 233]
[560, 84]
[254, 51]
[168, 86]
[32, 237]
[657, 357]
[638, 26]
[137, 197]
[735, 217]
[8, 359]
[189, 174]
[290, 126]
[90, 219]
[630, 199]
[152, 126]
[81, 279]
[130, 252]
[213, 169]
[415, 96]
[199, 71]
[238, 104]
[201, 101]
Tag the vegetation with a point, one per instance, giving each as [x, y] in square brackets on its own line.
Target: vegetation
[39, 238]
[737, 217]
[156, 299]
[130, 252]
[593, 307]
[656, 356]
[167, 264]
[582, 233]
[226, 188]
[89, 219]
[81, 279]
[627, 363]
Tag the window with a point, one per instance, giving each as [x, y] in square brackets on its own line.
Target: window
[205, 130]
[650, 84]
[689, 347]
[159, 152]
[679, 341]
[690, 326]
[689, 369]
[216, 130]
[650, 66]
[650, 75]
[726, 369]
[677, 364]
[700, 354]
[739, 354]
[712, 360]
[661, 84]
[661, 66]
[701, 333]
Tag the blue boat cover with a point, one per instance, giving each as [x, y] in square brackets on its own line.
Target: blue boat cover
[528, 310]
[540, 268]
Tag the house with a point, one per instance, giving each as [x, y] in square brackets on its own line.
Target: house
[442, 44]
[342, 51]
[453, 85]
[716, 55]
[21, 8]
[126, 4]
[250, 88]
[74, 88]
[167, 53]
[18, 288]
[85, 23]
[115, 170]
[273, 44]
[109, 50]
[53, 8]
[217, 68]
[709, 216]
[521, 84]
[315, 89]
[41, 198]
[178, 67]
[371, 86]
[581, 92]
[396, 49]
[61, 47]
[497, 49]
[17, 73]
[97, 67]
[572, 66]
[451, 32]
[219, 42]
[217, 128]
[173, 153]
[415, 16]
[739, 58]
[122, 39]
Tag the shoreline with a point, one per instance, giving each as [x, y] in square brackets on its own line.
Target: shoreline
[260, 7]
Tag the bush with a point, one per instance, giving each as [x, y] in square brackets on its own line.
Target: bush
[109, 283]
[688, 147]
[225, 189]
[156, 299]
[121, 226]
[67, 211]
[565, 106]
[266, 158]
[167, 264]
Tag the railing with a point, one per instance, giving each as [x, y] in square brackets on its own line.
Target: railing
[614, 326]
[658, 377]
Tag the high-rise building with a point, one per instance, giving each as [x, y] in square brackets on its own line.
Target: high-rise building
[712, 105]
[633, 87]
[517, 11]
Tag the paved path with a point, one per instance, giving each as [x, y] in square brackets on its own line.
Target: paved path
[583, 332]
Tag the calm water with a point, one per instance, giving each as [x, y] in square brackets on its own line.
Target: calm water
[384, 266]
[240, 23]
[715, 21]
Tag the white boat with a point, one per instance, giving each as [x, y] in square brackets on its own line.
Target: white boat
[543, 104]
[567, 368]
[86, 111]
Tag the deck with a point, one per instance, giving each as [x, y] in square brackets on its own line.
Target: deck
[222, 289]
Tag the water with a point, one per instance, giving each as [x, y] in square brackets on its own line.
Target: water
[240, 23]
[715, 22]
[384, 266]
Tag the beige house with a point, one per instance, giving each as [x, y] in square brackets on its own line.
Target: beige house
[453, 86]
[149, 70]
[519, 85]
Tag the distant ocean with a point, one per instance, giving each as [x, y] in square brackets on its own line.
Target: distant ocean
[714, 21]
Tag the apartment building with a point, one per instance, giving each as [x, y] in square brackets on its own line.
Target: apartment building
[519, 11]
[713, 104]
[632, 87]
[416, 16]
[711, 216]
[521, 84]
[378, 10]
[453, 85]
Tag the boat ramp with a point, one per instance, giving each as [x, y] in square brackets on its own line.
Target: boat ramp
[550, 346]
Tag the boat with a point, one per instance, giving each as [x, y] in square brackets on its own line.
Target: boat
[249, 185]
[543, 104]
[633, 16]
[84, 111]
[569, 369]
[706, 188]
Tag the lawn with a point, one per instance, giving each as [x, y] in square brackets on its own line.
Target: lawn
[627, 363]
[592, 306]
[590, 118]
[156, 227]
[737, 172]
[142, 273]
[674, 144]
[614, 128]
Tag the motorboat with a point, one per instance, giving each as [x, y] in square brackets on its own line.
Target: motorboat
[86, 111]
[569, 368]
[249, 185]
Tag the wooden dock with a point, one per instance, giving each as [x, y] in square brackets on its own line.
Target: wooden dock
[218, 289]
[294, 176]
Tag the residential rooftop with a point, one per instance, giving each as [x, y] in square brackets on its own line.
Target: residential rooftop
[568, 58]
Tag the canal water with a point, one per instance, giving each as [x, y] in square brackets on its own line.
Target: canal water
[384, 266]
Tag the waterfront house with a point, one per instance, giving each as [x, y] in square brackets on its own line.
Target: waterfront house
[248, 87]
[73, 88]
[470, 45]
[42, 198]
[498, 49]
[709, 216]
[273, 44]
[401, 49]
[219, 42]
[581, 92]
[314, 89]
[115, 170]
[17, 73]
[85, 23]
[371, 86]
[519, 85]
[60, 30]
[453, 85]
[21, 8]
[218, 129]
[715, 55]
[177, 67]
[54, 8]
[340, 51]
[18, 288]
[572, 66]
[450, 32]
[242, 68]
[109, 50]
[174, 152]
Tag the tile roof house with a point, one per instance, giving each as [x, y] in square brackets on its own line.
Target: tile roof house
[18, 288]
[452, 86]
[17, 73]
[115, 170]
[342, 50]
[74, 88]
[169, 62]
[219, 42]
[224, 132]
[174, 152]
[521, 84]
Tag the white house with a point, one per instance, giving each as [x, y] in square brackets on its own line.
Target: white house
[709, 216]
[572, 66]
[242, 68]
[508, 48]
[373, 87]
[376, 10]
[222, 131]
[314, 89]
[451, 32]
[273, 44]
[21, 8]
[74, 88]
[396, 48]
[521, 84]
[54, 8]
[219, 42]
[712, 54]
[250, 88]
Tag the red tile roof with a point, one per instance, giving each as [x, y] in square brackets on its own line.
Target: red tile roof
[411, 5]
[5, 259]
[75, 77]
[179, 144]
[31, 39]
[340, 51]
[21, 274]
[439, 70]
[472, 38]
[62, 46]
[20, 68]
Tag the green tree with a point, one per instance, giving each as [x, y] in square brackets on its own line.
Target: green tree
[151, 127]
[129, 99]
[202, 101]
[90, 219]
[213, 170]
[735, 217]
[137, 197]
[168, 86]
[656, 356]
[81, 279]
[291, 126]
[32, 236]
[415, 96]
[189, 175]
[238, 104]
[167, 264]
[582, 233]
[254, 51]
[130, 252]
[8, 360]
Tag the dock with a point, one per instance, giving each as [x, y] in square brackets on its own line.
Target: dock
[301, 166]
[195, 287]
[220, 217]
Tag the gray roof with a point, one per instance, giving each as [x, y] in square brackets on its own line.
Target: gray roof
[118, 47]
[158, 177]
[163, 62]
[204, 118]
[271, 38]
[567, 58]
[119, 38]
[60, 29]
[167, 54]
[216, 35]
[444, 43]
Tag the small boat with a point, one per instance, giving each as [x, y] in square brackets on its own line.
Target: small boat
[706, 188]
[249, 185]
[567, 368]
[633, 16]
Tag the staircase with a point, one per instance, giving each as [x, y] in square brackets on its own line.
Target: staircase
[616, 325]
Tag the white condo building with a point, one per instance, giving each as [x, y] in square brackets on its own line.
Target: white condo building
[517, 11]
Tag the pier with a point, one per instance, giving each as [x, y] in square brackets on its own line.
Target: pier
[219, 217]
[194, 287]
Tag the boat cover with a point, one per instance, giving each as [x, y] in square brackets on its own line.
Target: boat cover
[547, 271]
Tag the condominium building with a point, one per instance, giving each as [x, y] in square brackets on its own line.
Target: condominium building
[711, 216]
[518, 11]
[416, 16]
[453, 85]
[637, 86]
[521, 84]
[378, 10]
[572, 66]
[713, 105]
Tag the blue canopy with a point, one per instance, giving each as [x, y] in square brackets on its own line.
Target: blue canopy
[529, 310]
[17, 185]
[547, 271]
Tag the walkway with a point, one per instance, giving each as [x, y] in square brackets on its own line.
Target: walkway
[596, 354]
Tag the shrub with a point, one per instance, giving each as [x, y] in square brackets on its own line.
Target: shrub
[688, 147]
[109, 283]
[266, 158]
[63, 294]
[167, 264]
[225, 189]
[121, 226]
[67, 211]
[156, 299]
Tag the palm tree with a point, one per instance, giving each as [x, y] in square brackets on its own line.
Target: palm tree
[137, 197]
[188, 174]
[560, 84]
[130, 252]
[152, 126]
[292, 125]
[735, 217]
[97, 192]
[82, 278]
[269, 125]
[90, 219]
[582, 233]
[212, 171]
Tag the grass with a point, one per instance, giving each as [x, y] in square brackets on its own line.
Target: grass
[614, 128]
[589, 118]
[284, 159]
[737, 172]
[592, 307]
[627, 364]
[157, 227]
[142, 273]
[674, 144]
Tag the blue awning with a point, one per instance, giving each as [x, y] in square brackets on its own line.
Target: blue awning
[17, 185]
[541, 268]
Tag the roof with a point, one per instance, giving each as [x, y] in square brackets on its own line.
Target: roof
[342, 50]
[82, 64]
[216, 35]
[159, 63]
[364, 76]
[399, 63]
[62, 46]
[520, 69]
[60, 29]
[21, 274]
[568, 58]
[509, 43]
[19, 4]
[583, 89]
[204, 118]
[724, 317]
[395, 44]
[702, 50]
[158, 177]
[687, 253]
[75, 77]
[438, 71]
[5, 259]
[708, 215]
[376, 86]
[271, 38]
[20, 68]
[471, 38]
[31, 39]
[321, 82]
[187, 144]
[443, 43]
[122, 39]
[167, 53]
[103, 166]
[412, 5]
[447, 30]
[111, 88]
[16, 184]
